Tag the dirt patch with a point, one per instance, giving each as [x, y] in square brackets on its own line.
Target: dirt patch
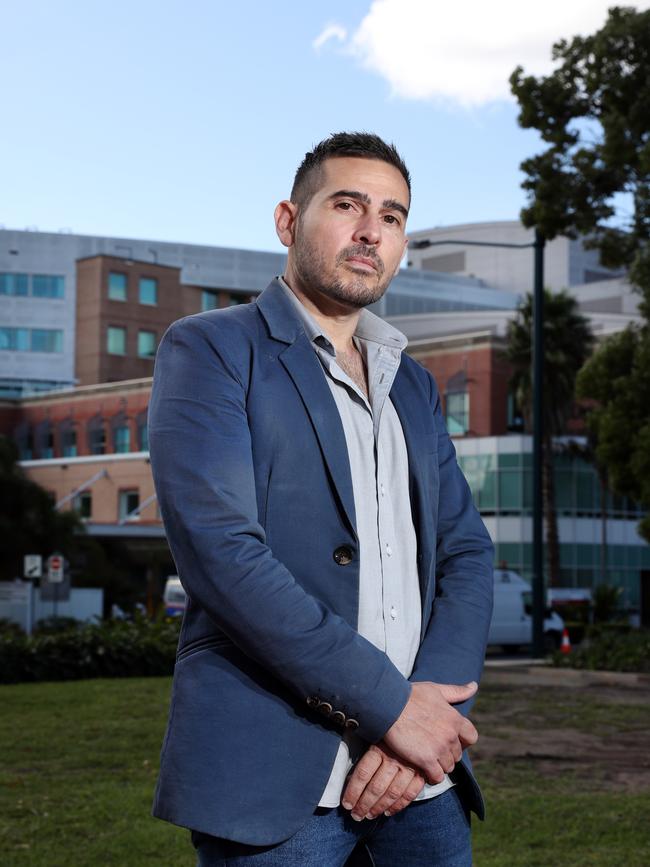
[597, 735]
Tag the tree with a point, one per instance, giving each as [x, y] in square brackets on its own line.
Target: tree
[568, 342]
[29, 523]
[593, 180]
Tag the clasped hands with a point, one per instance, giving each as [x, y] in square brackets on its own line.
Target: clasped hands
[423, 745]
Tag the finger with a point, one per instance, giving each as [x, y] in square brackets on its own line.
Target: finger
[457, 752]
[448, 763]
[362, 773]
[393, 793]
[434, 773]
[412, 791]
[454, 693]
[467, 734]
[375, 790]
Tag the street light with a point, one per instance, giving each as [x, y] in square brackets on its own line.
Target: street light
[538, 374]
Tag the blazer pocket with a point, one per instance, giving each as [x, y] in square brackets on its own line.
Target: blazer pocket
[208, 642]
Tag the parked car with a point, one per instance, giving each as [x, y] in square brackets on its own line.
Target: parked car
[512, 622]
[174, 597]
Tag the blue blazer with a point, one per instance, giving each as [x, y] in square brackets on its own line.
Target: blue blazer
[252, 476]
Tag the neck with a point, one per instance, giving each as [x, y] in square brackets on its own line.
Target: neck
[337, 320]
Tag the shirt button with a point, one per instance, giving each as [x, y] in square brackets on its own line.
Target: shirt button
[383, 490]
[393, 613]
[389, 550]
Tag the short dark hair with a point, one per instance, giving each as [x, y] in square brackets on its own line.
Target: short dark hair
[343, 144]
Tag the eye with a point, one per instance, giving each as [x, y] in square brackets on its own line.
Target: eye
[345, 206]
[392, 220]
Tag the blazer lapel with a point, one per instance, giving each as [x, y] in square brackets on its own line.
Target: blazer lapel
[304, 368]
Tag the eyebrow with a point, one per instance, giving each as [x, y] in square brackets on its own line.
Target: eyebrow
[390, 204]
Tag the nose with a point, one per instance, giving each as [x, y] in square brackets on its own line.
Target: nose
[368, 230]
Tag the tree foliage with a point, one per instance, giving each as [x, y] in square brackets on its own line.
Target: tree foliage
[592, 111]
[593, 179]
[29, 523]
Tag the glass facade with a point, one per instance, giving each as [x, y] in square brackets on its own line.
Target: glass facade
[117, 286]
[31, 339]
[148, 290]
[501, 486]
[116, 340]
[146, 344]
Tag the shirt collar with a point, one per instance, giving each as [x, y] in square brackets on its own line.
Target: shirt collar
[370, 327]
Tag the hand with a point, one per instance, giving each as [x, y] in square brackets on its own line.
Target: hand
[430, 734]
[380, 783]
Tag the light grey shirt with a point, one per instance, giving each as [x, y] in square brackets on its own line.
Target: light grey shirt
[389, 591]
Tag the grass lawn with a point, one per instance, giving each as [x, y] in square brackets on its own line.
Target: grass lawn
[79, 765]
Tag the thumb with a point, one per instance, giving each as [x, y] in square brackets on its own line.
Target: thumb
[454, 693]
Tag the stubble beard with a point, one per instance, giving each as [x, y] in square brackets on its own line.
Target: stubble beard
[311, 268]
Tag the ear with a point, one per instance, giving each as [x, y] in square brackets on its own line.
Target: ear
[285, 220]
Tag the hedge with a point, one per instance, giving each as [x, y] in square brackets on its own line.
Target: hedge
[113, 648]
[611, 650]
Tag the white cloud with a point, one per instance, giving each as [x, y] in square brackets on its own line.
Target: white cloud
[332, 31]
[464, 52]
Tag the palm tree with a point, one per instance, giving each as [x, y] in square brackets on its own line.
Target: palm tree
[568, 342]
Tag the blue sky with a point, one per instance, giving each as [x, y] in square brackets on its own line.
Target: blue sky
[185, 121]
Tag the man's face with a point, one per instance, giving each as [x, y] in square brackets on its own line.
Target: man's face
[350, 237]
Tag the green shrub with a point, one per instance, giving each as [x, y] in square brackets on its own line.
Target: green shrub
[114, 648]
[611, 650]
[54, 625]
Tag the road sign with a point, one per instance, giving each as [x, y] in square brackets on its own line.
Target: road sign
[55, 569]
[33, 566]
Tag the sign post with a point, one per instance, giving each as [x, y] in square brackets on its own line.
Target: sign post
[55, 568]
[32, 571]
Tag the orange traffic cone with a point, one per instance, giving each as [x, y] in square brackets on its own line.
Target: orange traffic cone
[565, 647]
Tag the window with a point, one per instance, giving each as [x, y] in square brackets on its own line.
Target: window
[83, 503]
[116, 342]
[457, 412]
[117, 286]
[69, 442]
[96, 433]
[146, 344]
[13, 284]
[128, 502]
[46, 340]
[122, 438]
[31, 339]
[47, 286]
[234, 300]
[148, 290]
[209, 300]
[142, 432]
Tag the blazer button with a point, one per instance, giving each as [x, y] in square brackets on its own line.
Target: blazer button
[325, 708]
[313, 701]
[351, 724]
[338, 717]
[343, 555]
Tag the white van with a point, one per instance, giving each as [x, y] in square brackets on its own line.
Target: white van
[174, 597]
[512, 621]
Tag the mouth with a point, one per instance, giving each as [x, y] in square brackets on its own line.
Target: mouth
[363, 263]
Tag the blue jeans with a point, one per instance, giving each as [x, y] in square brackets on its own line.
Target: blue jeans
[435, 832]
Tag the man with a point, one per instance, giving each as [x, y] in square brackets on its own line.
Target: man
[339, 578]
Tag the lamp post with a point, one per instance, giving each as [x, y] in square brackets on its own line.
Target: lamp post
[538, 375]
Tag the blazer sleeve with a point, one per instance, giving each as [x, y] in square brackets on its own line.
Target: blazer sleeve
[202, 463]
[453, 649]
